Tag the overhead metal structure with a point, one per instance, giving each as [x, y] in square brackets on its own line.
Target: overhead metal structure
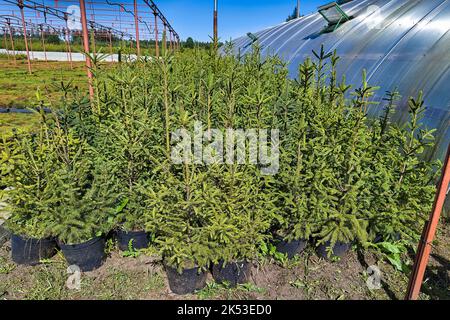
[403, 44]
[129, 28]
[137, 22]
[161, 16]
[53, 14]
[12, 26]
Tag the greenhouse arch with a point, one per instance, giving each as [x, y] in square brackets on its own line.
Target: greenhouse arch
[403, 45]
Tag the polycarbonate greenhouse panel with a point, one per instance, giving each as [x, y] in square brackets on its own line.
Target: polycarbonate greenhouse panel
[403, 44]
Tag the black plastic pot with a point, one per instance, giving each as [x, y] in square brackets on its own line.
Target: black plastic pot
[88, 256]
[339, 250]
[379, 238]
[140, 239]
[30, 251]
[292, 248]
[187, 282]
[233, 273]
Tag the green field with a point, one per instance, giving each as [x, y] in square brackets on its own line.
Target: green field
[9, 121]
[18, 88]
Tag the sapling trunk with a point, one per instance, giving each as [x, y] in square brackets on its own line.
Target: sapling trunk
[166, 104]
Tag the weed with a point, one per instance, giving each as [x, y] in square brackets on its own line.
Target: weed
[214, 290]
[5, 266]
[155, 282]
[131, 252]
[48, 284]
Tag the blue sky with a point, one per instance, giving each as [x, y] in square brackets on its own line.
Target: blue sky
[236, 17]
[193, 18]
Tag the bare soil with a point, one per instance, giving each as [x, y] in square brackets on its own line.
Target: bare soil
[305, 278]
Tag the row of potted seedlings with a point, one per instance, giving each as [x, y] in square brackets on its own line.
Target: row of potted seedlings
[91, 255]
[88, 256]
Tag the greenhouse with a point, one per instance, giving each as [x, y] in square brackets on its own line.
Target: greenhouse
[403, 45]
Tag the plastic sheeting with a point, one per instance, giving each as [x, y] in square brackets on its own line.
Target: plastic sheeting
[403, 44]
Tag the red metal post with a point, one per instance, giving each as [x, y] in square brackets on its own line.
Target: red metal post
[20, 4]
[110, 46]
[93, 38]
[69, 49]
[156, 35]
[424, 249]
[86, 46]
[31, 45]
[216, 37]
[94, 45]
[43, 43]
[165, 37]
[136, 24]
[65, 41]
[12, 41]
[6, 42]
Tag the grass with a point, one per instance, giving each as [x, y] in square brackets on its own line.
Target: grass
[5, 266]
[128, 278]
[214, 290]
[5, 56]
[18, 88]
[10, 121]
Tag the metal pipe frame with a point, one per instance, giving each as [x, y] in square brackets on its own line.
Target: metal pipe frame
[20, 5]
[429, 232]
[85, 30]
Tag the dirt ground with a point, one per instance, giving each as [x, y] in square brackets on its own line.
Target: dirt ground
[308, 277]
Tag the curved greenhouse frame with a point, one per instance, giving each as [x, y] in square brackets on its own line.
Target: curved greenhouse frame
[403, 45]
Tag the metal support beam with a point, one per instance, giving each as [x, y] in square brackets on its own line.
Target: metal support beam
[11, 38]
[429, 232]
[110, 46]
[20, 5]
[165, 37]
[69, 50]
[136, 24]
[5, 42]
[161, 16]
[86, 46]
[43, 43]
[156, 34]
[92, 38]
[67, 35]
[216, 36]
[31, 44]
